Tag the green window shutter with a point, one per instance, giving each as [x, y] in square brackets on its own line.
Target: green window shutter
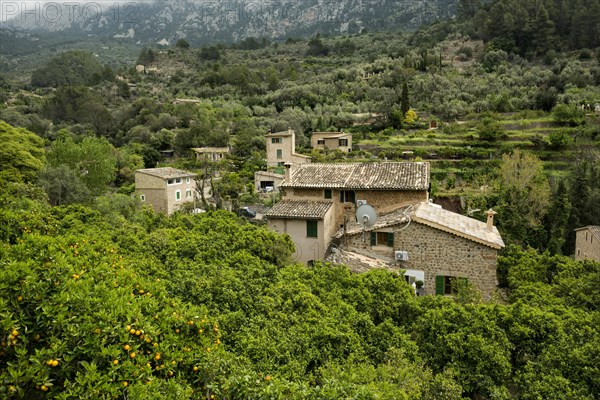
[439, 285]
[328, 193]
[373, 238]
[390, 239]
[311, 229]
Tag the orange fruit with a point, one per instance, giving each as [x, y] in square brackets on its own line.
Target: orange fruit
[15, 333]
[125, 383]
[127, 347]
[195, 369]
[132, 331]
[55, 363]
[157, 357]
[20, 298]
[116, 362]
[132, 355]
[44, 388]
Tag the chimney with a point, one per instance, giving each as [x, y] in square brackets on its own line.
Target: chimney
[288, 172]
[490, 219]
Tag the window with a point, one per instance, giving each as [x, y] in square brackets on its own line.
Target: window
[178, 195]
[170, 181]
[279, 153]
[382, 239]
[444, 284]
[347, 196]
[142, 197]
[327, 193]
[321, 141]
[281, 164]
[188, 194]
[343, 143]
[311, 229]
[276, 140]
[187, 180]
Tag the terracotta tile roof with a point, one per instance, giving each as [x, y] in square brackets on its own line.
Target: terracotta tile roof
[592, 228]
[166, 172]
[366, 176]
[457, 224]
[289, 132]
[299, 209]
[202, 150]
[268, 174]
[435, 217]
[330, 135]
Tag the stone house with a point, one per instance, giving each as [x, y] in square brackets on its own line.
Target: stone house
[332, 141]
[341, 186]
[165, 189]
[587, 243]
[266, 181]
[309, 223]
[429, 243]
[281, 149]
[211, 154]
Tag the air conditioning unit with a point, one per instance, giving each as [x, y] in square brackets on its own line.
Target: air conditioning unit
[401, 255]
[360, 203]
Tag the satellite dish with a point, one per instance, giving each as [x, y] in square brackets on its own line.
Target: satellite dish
[366, 215]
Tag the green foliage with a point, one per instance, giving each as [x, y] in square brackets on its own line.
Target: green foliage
[22, 155]
[559, 139]
[146, 57]
[93, 160]
[317, 48]
[489, 130]
[568, 114]
[63, 185]
[80, 105]
[71, 68]
[525, 197]
[182, 44]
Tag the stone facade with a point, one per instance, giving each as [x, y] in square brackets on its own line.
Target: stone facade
[281, 148]
[308, 249]
[435, 253]
[158, 193]
[587, 243]
[331, 141]
[264, 179]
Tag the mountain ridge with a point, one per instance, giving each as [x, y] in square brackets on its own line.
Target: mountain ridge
[201, 22]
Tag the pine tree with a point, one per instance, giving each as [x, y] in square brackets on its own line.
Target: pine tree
[467, 8]
[542, 30]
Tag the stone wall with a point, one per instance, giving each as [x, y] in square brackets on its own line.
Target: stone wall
[160, 196]
[381, 200]
[587, 246]
[437, 252]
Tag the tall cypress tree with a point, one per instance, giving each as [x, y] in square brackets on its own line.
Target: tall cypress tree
[404, 100]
